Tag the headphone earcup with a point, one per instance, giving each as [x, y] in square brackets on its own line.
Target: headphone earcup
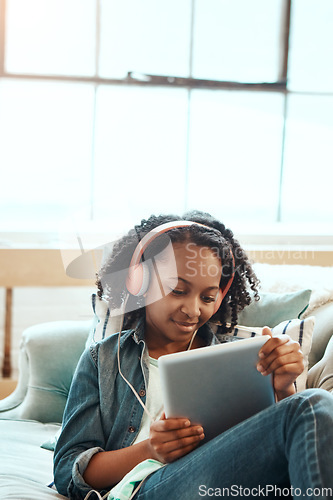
[218, 301]
[137, 281]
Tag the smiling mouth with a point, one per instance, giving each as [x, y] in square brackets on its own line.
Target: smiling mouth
[183, 323]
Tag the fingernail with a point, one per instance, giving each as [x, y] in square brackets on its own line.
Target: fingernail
[187, 423]
[261, 355]
[260, 368]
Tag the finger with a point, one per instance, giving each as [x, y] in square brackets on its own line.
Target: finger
[278, 356]
[272, 344]
[173, 447]
[282, 363]
[175, 435]
[280, 348]
[265, 331]
[184, 442]
[174, 455]
[290, 369]
[169, 424]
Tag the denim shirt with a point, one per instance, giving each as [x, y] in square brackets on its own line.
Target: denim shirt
[102, 413]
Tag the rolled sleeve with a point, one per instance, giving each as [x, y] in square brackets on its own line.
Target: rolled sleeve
[77, 487]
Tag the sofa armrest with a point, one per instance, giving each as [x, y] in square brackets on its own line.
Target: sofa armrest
[14, 400]
[321, 356]
[322, 332]
[49, 354]
[321, 374]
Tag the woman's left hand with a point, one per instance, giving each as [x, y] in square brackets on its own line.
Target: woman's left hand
[283, 358]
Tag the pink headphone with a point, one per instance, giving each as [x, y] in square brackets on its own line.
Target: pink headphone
[137, 281]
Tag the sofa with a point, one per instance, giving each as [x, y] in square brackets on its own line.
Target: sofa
[30, 418]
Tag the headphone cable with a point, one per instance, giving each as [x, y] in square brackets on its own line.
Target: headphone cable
[119, 369]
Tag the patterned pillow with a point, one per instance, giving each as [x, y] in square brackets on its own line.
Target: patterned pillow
[298, 329]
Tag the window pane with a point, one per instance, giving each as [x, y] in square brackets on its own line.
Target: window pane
[51, 37]
[308, 170]
[311, 40]
[237, 40]
[145, 36]
[45, 151]
[140, 152]
[235, 152]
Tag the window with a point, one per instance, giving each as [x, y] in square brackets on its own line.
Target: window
[121, 109]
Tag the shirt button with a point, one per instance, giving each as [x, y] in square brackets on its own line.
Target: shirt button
[142, 393]
[131, 429]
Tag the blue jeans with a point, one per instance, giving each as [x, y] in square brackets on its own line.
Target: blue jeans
[284, 451]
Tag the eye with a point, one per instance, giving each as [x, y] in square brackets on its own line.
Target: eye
[177, 292]
[208, 300]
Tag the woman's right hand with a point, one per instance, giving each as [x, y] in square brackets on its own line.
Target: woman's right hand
[172, 438]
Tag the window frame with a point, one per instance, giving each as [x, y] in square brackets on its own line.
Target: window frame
[170, 81]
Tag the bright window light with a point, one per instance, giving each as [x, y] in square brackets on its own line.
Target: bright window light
[145, 36]
[311, 41]
[237, 40]
[235, 154]
[45, 146]
[79, 140]
[308, 172]
[53, 37]
[140, 152]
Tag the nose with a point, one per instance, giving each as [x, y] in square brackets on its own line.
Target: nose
[191, 307]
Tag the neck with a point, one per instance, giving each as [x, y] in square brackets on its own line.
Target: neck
[156, 349]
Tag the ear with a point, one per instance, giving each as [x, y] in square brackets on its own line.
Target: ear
[138, 279]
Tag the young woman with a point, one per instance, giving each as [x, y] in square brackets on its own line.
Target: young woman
[115, 434]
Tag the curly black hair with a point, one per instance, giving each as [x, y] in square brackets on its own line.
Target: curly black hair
[111, 279]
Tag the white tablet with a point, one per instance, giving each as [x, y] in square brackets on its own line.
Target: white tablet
[216, 386]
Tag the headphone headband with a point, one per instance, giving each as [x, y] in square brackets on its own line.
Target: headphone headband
[154, 233]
